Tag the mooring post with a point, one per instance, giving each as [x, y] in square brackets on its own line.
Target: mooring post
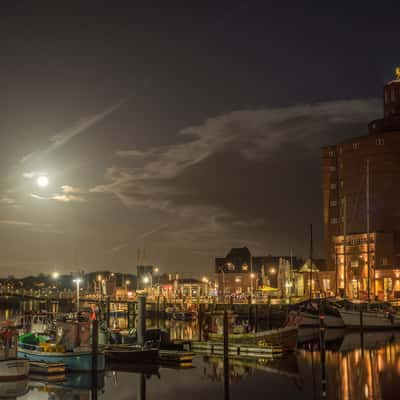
[226, 353]
[158, 312]
[108, 310]
[95, 343]
[322, 348]
[141, 320]
[255, 317]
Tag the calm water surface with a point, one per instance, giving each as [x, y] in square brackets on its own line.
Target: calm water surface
[352, 372]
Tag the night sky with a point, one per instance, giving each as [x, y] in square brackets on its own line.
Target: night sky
[184, 131]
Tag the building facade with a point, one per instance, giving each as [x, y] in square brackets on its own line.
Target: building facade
[241, 274]
[361, 205]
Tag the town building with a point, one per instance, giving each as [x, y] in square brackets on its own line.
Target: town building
[241, 274]
[361, 206]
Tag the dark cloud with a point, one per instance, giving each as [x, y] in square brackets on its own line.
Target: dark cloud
[244, 177]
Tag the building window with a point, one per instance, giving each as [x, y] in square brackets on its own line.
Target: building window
[331, 154]
[356, 146]
[341, 164]
[340, 150]
[385, 261]
[380, 141]
[333, 186]
[334, 221]
[332, 168]
[354, 264]
[333, 203]
[245, 267]
[341, 184]
[326, 283]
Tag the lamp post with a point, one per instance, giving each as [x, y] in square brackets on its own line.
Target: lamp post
[77, 281]
[252, 276]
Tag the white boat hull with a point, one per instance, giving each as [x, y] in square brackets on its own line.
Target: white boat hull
[330, 321]
[12, 370]
[371, 320]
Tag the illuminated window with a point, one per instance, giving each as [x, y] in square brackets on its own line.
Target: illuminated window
[331, 154]
[356, 146]
[332, 168]
[245, 267]
[334, 221]
[333, 203]
[333, 186]
[326, 283]
[380, 141]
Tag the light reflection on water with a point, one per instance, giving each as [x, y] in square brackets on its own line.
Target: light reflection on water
[352, 374]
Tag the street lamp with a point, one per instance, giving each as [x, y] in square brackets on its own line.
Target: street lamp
[77, 281]
[252, 276]
[55, 275]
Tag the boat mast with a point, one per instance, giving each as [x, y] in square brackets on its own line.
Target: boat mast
[368, 230]
[311, 259]
[344, 245]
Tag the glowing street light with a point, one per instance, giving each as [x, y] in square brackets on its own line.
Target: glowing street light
[55, 275]
[146, 280]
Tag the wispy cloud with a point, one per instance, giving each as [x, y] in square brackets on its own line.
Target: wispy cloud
[142, 236]
[15, 223]
[63, 137]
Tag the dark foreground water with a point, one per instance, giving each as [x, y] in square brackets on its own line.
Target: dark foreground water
[356, 368]
[352, 373]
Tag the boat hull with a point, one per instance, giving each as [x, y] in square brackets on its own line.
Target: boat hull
[330, 321]
[14, 370]
[371, 320]
[74, 361]
[126, 355]
[285, 337]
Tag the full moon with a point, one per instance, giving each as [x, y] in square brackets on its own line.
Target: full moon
[42, 181]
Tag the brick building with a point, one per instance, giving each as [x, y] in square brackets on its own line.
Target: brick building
[361, 205]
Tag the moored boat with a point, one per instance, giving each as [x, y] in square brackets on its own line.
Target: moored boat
[285, 337]
[370, 315]
[77, 360]
[11, 368]
[130, 354]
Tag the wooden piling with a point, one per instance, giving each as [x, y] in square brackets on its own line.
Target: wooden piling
[141, 320]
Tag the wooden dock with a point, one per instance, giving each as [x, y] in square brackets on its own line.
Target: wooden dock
[236, 349]
[176, 357]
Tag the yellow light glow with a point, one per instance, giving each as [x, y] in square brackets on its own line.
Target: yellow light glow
[252, 275]
[55, 275]
[42, 181]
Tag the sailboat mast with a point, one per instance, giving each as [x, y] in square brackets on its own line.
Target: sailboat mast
[311, 259]
[368, 231]
[344, 245]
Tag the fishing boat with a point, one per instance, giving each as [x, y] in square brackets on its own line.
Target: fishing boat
[371, 315]
[11, 367]
[77, 360]
[72, 347]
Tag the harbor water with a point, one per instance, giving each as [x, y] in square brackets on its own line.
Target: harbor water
[356, 367]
